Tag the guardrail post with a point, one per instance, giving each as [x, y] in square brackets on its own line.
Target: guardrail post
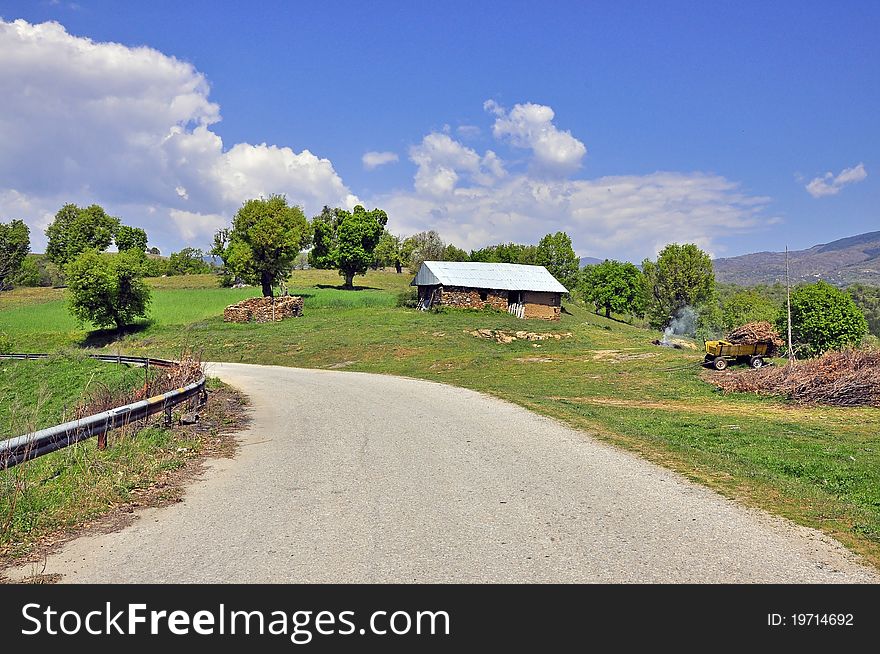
[102, 440]
[166, 421]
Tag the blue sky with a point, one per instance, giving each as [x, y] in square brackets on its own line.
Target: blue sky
[739, 126]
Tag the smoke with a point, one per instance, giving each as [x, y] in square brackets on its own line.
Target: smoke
[683, 323]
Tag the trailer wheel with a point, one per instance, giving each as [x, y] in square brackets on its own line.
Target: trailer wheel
[756, 362]
[720, 363]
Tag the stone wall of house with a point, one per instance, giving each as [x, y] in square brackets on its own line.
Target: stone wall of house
[264, 309]
[546, 306]
[472, 298]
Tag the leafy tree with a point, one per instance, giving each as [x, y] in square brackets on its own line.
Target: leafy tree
[613, 286]
[131, 238]
[506, 253]
[748, 306]
[107, 290]
[347, 240]
[424, 246]
[28, 273]
[393, 251]
[265, 238]
[822, 318]
[867, 298]
[154, 250]
[15, 243]
[189, 261]
[682, 276]
[452, 253]
[555, 253]
[76, 230]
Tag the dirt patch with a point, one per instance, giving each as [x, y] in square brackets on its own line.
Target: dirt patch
[703, 407]
[620, 355]
[534, 360]
[225, 414]
[340, 364]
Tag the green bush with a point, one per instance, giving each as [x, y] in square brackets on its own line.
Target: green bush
[823, 318]
[408, 298]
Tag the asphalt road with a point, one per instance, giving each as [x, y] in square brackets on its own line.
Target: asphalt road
[349, 477]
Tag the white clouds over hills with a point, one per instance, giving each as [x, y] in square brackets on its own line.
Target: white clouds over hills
[131, 128]
[102, 122]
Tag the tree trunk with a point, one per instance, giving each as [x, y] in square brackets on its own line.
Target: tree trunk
[607, 311]
[266, 282]
[349, 280]
[399, 267]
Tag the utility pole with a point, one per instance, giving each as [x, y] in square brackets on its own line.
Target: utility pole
[788, 303]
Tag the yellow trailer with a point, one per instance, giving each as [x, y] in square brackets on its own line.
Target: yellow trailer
[721, 353]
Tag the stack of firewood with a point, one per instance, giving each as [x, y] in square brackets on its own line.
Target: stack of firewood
[264, 309]
[846, 378]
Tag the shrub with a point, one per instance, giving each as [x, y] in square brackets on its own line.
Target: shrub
[823, 318]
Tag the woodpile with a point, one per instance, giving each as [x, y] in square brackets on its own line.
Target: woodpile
[847, 378]
[757, 332]
[264, 309]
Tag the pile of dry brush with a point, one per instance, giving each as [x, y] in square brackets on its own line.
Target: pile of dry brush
[846, 378]
[156, 382]
[757, 332]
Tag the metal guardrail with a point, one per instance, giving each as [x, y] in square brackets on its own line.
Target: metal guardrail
[29, 446]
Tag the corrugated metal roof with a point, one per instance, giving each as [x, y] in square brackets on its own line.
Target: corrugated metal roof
[504, 276]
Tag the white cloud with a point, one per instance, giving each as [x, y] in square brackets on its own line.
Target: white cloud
[468, 131]
[130, 127]
[829, 184]
[629, 217]
[531, 126]
[441, 160]
[373, 160]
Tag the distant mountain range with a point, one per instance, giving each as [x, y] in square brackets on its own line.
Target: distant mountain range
[590, 261]
[851, 260]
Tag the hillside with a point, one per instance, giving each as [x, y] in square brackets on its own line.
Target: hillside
[851, 260]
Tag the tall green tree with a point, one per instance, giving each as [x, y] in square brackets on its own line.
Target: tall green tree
[265, 238]
[613, 286]
[682, 276]
[77, 229]
[555, 253]
[822, 318]
[453, 253]
[424, 246]
[392, 251]
[15, 243]
[747, 306]
[867, 298]
[130, 238]
[506, 253]
[189, 261]
[347, 240]
[108, 291]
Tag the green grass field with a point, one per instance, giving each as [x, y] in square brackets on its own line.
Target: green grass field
[36, 394]
[817, 466]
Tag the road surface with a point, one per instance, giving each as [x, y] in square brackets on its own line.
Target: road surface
[350, 477]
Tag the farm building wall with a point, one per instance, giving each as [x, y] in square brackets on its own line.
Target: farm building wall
[546, 306]
[472, 298]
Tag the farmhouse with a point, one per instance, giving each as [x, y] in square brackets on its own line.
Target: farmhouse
[524, 291]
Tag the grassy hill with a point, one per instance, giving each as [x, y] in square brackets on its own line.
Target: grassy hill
[818, 466]
[843, 262]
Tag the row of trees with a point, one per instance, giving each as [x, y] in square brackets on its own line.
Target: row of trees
[823, 316]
